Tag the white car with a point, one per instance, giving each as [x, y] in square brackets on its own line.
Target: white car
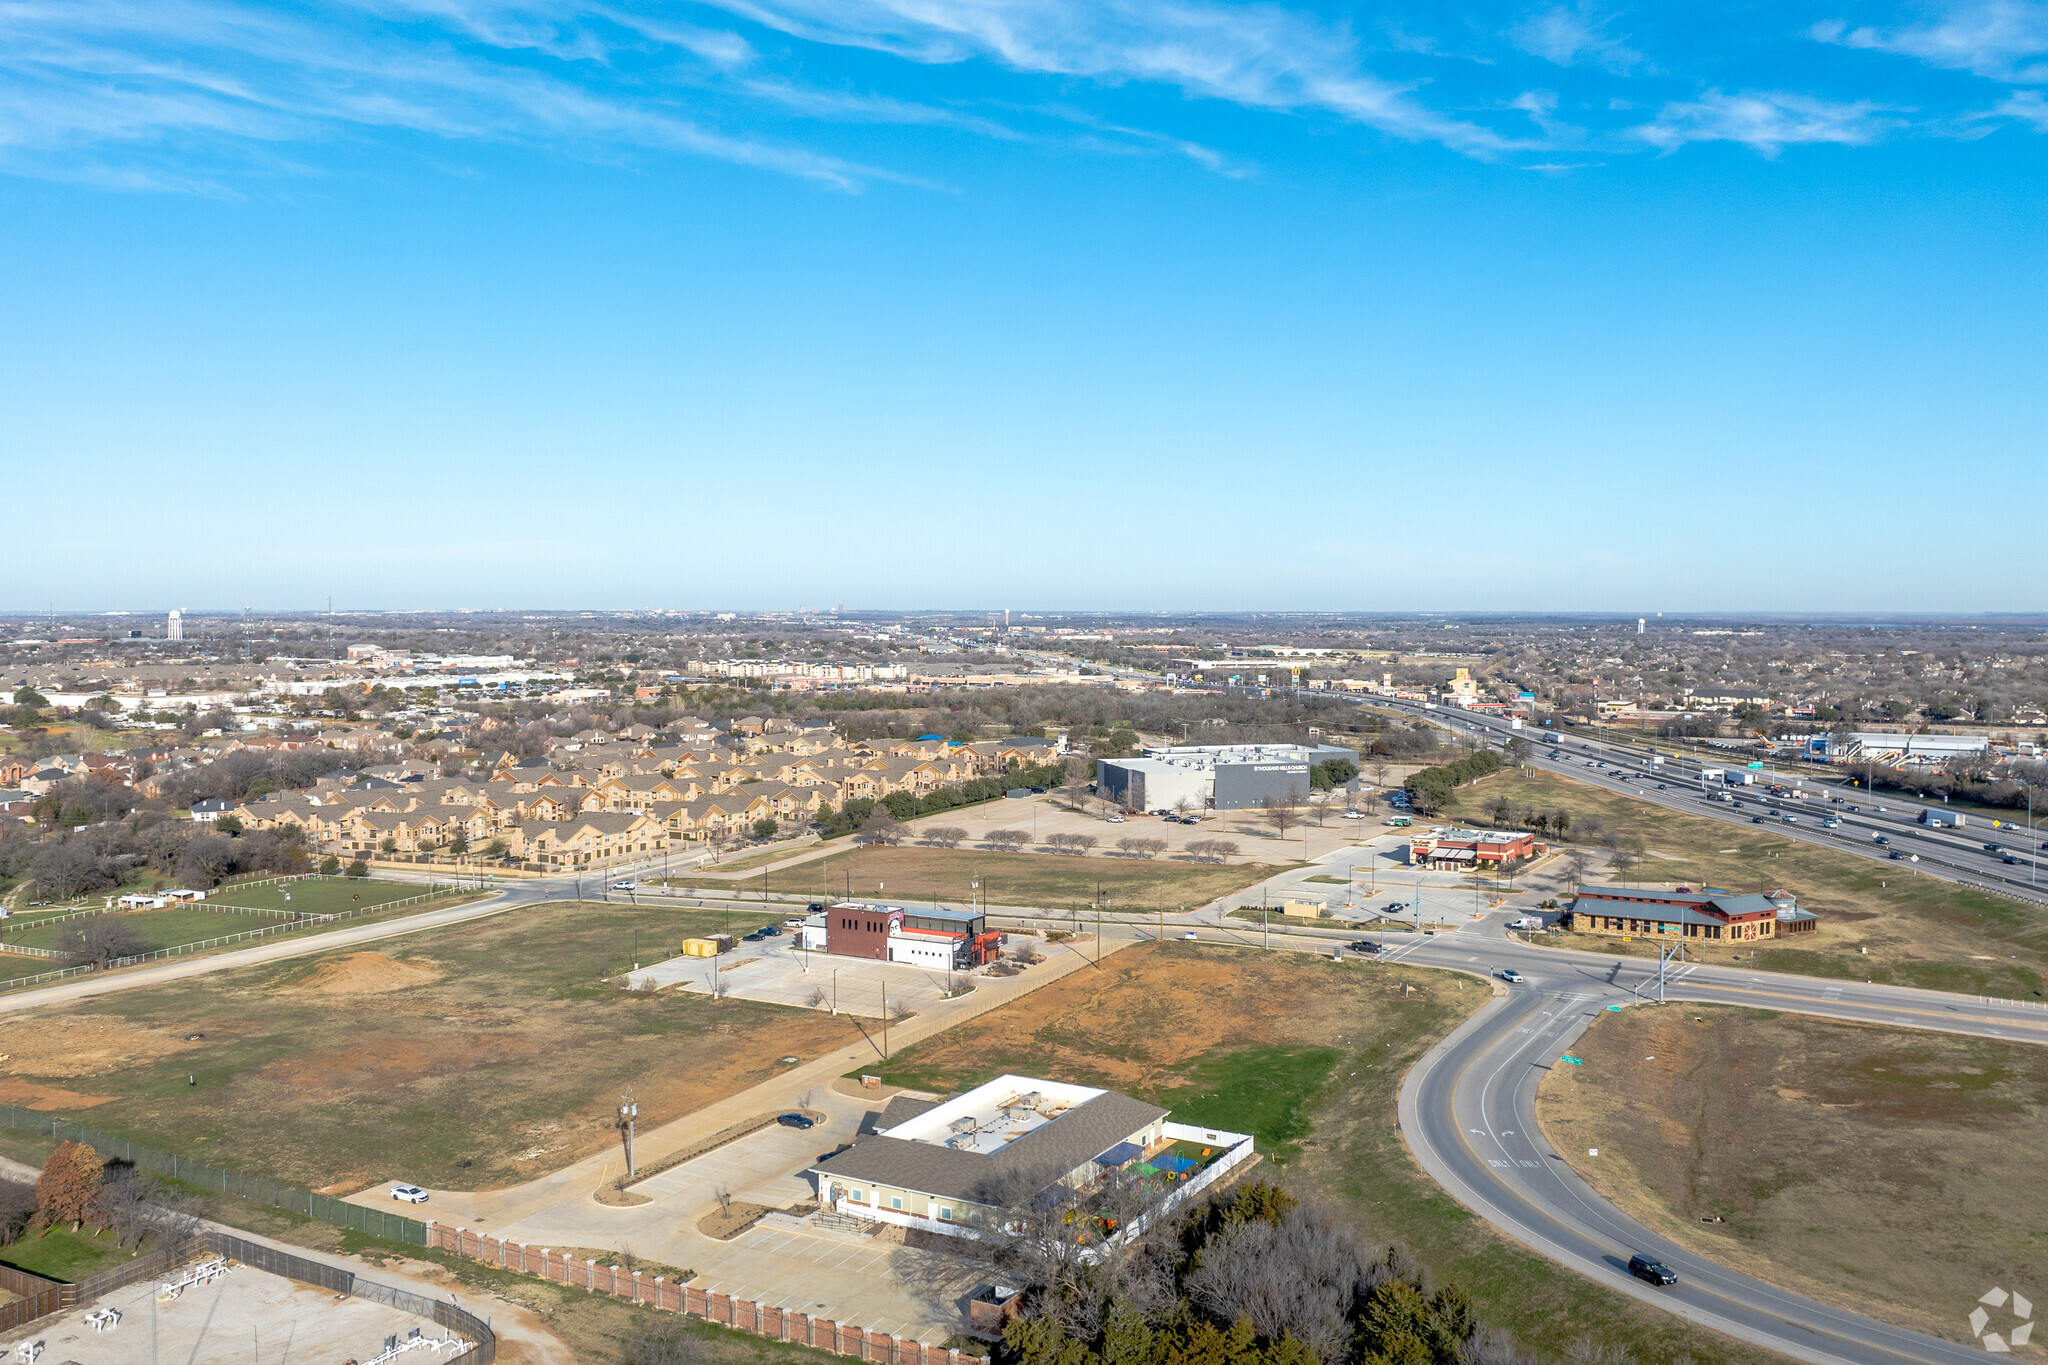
[1116, 819]
[1189, 934]
[1511, 976]
[1354, 815]
[625, 886]
[409, 1194]
[792, 924]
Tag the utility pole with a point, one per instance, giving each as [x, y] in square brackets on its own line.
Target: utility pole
[885, 1018]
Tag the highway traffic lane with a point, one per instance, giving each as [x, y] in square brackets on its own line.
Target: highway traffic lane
[1456, 1109]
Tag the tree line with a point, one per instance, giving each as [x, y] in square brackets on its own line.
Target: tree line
[1431, 788]
[1257, 1277]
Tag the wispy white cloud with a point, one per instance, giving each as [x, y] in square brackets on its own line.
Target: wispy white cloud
[2028, 107]
[174, 83]
[1572, 35]
[2003, 39]
[1767, 122]
[1257, 55]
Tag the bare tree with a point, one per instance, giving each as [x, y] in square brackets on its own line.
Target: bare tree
[1213, 850]
[1027, 952]
[100, 939]
[1301, 1275]
[17, 1210]
[1060, 842]
[1081, 843]
[803, 1101]
[1009, 840]
[881, 828]
[724, 1198]
[817, 998]
[1575, 864]
[945, 836]
[1279, 814]
[663, 1342]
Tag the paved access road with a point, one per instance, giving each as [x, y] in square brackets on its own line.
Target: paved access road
[1468, 1112]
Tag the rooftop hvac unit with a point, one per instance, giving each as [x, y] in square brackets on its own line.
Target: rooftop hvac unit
[961, 1142]
[965, 1125]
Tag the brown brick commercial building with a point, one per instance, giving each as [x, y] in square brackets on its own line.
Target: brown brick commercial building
[1451, 849]
[1720, 916]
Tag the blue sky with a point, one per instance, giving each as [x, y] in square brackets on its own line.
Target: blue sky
[1162, 303]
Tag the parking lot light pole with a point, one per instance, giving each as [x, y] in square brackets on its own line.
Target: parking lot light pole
[629, 1110]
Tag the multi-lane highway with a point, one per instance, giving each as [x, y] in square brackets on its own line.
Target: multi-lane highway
[1958, 855]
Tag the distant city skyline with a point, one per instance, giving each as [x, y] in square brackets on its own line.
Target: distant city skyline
[1184, 306]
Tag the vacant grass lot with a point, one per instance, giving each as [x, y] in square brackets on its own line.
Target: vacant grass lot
[317, 895]
[1307, 1055]
[1879, 1170]
[1052, 880]
[1917, 930]
[60, 1254]
[473, 1055]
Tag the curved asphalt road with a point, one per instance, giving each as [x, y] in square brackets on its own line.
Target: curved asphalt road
[1468, 1112]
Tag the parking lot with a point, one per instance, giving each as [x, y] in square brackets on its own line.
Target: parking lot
[773, 971]
[837, 1275]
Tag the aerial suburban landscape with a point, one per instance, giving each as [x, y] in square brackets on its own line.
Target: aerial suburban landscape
[993, 682]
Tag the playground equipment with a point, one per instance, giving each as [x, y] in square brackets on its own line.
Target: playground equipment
[394, 1348]
[206, 1272]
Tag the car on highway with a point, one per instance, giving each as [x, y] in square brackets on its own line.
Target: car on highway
[1900, 856]
[797, 1121]
[1656, 1272]
[1511, 976]
[2007, 859]
[1756, 819]
[815, 906]
[1364, 945]
[625, 886]
[1190, 934]
[1831, 823]
[1880, 838]
[1994, 848]
[409, 1194]
[1660, 786]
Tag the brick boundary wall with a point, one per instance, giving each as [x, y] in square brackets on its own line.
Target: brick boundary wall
[741, 1315]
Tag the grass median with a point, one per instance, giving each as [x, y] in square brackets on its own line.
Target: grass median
[1882, 1171]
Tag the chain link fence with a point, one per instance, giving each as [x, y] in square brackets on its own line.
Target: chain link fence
[391, 1227]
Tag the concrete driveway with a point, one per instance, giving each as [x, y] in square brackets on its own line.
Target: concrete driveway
[774, 972]
[843, 1276]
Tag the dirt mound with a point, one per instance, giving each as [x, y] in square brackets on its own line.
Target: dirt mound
[81, 1045]
[362, 974]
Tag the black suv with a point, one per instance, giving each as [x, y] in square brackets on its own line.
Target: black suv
[1656, 1272]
